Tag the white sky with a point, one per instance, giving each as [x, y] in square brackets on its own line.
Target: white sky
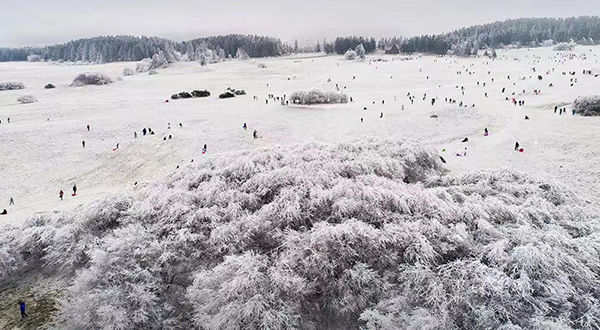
[40, 22]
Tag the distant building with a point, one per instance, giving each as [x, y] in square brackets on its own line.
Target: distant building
[394, 49]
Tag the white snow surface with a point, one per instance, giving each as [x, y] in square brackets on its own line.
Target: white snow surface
[42, 152]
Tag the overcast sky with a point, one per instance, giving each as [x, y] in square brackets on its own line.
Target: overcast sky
[41, 22]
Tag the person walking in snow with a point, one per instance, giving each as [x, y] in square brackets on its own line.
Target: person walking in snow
[517, 145]
[244, 127]
[381, 115]
[485, 132]
[11, 201]
[204, 149]
[61, 194]
[22, 308]
[83, 143]
[255, 134]
[88, 127]
[135, 135]
[144, 131]
[74, 190]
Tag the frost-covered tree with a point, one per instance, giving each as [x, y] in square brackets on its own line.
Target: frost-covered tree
[361, 54]
[369, 233]
[242, 55]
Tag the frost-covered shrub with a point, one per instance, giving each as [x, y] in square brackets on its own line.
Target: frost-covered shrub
[587, 105]
[128, 72]
[564, 46]
[35, 58]
[262, 66]
[27, 99]
[143, 65]
[318, 97]
[6, 86]
[49, 86]
[350, 55]
[548, 43]
[369, 233]
[152, 72]
[91, 78]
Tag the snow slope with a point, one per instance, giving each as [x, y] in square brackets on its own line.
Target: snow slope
[41, 149]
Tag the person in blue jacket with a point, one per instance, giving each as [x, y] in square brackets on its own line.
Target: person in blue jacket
[22, 307]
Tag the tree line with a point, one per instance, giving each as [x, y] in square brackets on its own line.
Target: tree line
[529, 32]
[129, 48]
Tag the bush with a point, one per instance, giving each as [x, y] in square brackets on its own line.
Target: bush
[350, 55]
[563, 46]
[197, 93]
[144, 65]
[587, 105]
[152, 72]
[93, 78]
[318, 97]
[184, 95]
[262, 66]
[128, 72]
[49, 86]
[6, 86]
[226, 95]
[27, 99]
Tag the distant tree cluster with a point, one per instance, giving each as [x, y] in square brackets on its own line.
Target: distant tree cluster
[426, 44]
[129, 48]
[342, 44]
[228, 45]
[531, 32]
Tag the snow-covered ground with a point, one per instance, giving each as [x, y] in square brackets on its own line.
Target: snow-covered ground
[41, 151]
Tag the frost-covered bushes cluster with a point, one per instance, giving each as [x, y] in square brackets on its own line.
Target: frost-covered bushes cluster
[157, 61]
[152, 72]
[27, 99]
[370, 233]
[262, 66]
[564, 46]
[318, 97]
[7, 86]
[91, 78]
[587, 105]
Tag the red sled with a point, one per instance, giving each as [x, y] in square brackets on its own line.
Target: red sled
[115, 149]
[73, 195]
[521, 150]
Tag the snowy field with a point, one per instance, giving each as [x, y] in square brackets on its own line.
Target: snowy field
[41, 149]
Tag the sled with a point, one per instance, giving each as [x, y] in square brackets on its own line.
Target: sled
[521, 150]
[73, 195]
[115, 149]
[485, 134]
